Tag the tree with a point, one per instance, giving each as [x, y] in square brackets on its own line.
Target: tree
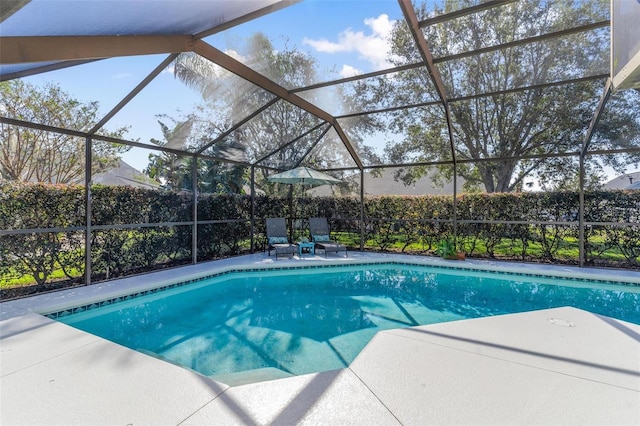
[508, 126]
[171, 170]
[273, 134]
[175, 171]
[30, 155]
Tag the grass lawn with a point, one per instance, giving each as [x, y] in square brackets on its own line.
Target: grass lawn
[565, 250]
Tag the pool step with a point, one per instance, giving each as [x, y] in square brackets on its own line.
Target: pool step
[251, 376]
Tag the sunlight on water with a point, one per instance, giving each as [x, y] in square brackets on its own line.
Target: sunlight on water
[291, 322]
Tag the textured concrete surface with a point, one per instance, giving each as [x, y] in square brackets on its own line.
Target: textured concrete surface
[511, 369]
[557, 366]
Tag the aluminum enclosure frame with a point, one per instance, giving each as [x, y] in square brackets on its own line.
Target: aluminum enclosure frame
[78, 50]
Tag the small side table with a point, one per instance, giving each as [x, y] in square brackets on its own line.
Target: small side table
[310, 246]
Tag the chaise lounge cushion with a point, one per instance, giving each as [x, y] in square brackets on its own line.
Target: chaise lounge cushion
[278, 240]
[277, 237]
[319, 229]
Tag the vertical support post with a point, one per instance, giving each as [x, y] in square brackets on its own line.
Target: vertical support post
[454, 213]
[608, 88]
[87, 210]
[362, 227]
[291, 213]
[581, 242]
[423, 48]
[253, 206]
[194, 191]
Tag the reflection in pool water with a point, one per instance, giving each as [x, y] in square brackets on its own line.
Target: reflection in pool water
[288, 322]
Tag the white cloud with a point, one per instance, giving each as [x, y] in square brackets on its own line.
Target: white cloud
[371, 47]
[349, 71]
[235, 55]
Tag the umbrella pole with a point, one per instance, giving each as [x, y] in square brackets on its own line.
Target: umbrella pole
[290, 212]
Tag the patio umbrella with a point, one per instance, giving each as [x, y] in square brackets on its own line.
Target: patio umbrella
[304, 176]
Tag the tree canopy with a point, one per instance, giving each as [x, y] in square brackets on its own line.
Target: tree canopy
[511, 126]
[280, 136]
[175, 171]
[31, 155]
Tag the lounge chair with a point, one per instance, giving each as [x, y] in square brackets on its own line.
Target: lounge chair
[277, 238]
[319, 229]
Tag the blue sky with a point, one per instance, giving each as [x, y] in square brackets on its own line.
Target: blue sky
[347, 36]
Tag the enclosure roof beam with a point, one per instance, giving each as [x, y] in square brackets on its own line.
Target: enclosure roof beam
[633, 150]
[43, 68]
[608, 87]
[237, 125]
[313, 145]
[238, 68]
[463, 12]
[161, 67]
[535, 39]
[479, 95]
[246, 18]
[291, 142]
[18, 50]
[412, 22]
[80, 134]
[423, 48]
[529, 40]
[10, 7]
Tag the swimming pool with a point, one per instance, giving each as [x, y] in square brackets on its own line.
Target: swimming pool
[253, 325]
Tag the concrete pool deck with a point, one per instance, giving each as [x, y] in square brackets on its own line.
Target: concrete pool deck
[556, 366]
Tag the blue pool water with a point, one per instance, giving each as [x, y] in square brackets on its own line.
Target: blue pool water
[298, 321]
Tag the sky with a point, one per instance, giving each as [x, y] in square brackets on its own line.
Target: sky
[347, 37]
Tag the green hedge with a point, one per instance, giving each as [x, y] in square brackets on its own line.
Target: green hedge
[416, 224]
[392, 223]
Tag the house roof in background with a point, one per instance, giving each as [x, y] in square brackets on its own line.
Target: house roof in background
[125, 175]
[386, 184]
[624, 181]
